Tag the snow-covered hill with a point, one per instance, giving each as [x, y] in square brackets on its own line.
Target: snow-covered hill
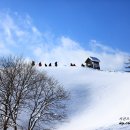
[98, 98]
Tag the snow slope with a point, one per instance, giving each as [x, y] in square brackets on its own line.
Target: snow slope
[98, 98]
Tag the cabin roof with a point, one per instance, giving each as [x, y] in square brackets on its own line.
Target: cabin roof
[94, 59]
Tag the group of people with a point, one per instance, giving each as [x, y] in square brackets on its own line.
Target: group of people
[82, 65]
[55, 64]
[40, 64]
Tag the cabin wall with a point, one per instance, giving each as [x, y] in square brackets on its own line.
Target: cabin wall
[96, 65]
[89, 63]
[92, 64]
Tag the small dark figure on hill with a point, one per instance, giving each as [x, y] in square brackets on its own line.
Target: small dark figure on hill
[33, 63]
[50, 65]
[82, 65]
[45, 65]
[40, 64]
[72, 64]
[56, 64]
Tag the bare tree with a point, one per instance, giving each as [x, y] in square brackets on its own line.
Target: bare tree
[48, 103]
[23, 89]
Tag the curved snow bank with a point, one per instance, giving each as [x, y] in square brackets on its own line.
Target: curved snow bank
[99, 98]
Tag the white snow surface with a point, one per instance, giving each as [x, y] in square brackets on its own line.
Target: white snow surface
[98, 98]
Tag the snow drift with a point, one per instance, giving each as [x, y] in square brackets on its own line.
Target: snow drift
[98, 98]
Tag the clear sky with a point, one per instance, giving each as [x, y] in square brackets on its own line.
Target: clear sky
[107, 21]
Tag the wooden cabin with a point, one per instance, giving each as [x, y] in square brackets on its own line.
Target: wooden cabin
[93, 62]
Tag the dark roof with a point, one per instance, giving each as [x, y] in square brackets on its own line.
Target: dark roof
[94, 59]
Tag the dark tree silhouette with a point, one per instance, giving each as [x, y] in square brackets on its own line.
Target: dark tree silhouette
[127, 65]
[23, 89]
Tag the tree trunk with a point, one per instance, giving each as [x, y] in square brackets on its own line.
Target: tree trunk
[5, 125]
[15, 127]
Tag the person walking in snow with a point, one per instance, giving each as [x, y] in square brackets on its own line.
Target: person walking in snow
[56, 64]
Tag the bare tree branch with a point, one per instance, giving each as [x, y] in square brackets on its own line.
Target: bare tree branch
[23, 89]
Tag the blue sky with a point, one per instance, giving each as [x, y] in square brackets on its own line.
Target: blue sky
[106, 21]
[65, 29]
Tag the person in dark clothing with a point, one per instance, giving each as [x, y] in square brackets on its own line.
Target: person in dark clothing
[40, 64]
[71, 64]
[33, 63]
[56, 64]
[45, 65]
[50, 65]
[82, 65]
